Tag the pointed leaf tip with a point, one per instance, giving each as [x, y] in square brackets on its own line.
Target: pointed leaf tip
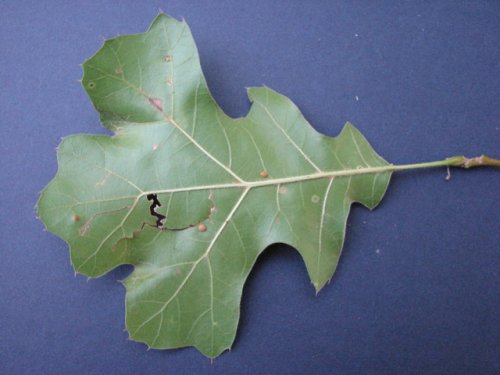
[189, 196]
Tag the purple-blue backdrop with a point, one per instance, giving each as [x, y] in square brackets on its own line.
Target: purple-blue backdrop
[417, 289]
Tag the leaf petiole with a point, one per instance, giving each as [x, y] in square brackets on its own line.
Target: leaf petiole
[455, 161]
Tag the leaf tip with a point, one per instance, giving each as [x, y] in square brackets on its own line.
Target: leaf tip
[317, 287]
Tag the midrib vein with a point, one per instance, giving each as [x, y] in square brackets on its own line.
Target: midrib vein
[247, 186]
[278, 181]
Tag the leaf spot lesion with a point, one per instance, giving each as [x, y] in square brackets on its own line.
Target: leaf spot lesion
[156, 103]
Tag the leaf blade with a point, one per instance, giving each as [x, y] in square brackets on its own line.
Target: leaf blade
[265, 178]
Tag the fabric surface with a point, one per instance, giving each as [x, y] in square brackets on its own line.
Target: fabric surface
[416, 290]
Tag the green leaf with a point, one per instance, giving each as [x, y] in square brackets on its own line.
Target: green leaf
[190, 196]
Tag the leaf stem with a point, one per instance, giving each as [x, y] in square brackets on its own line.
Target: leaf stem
[455, 161]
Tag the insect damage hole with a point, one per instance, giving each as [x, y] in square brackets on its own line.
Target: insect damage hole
[155, 203]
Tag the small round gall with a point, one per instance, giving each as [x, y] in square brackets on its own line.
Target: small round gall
[264, 174]
[202, 227]
[75, 218]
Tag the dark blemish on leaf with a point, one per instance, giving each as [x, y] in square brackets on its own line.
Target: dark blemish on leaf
[75, 218]
[155, 203]
[91, 85]
[168, 58]
[157, 103]
[264, 174]
[202, 227]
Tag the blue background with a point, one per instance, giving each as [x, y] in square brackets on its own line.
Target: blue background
[417, 289]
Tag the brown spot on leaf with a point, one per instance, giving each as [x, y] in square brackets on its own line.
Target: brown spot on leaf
[202, 227]
[119, 70]
[264, 174]
[157, 103]
[75, 218]
[168, 58]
